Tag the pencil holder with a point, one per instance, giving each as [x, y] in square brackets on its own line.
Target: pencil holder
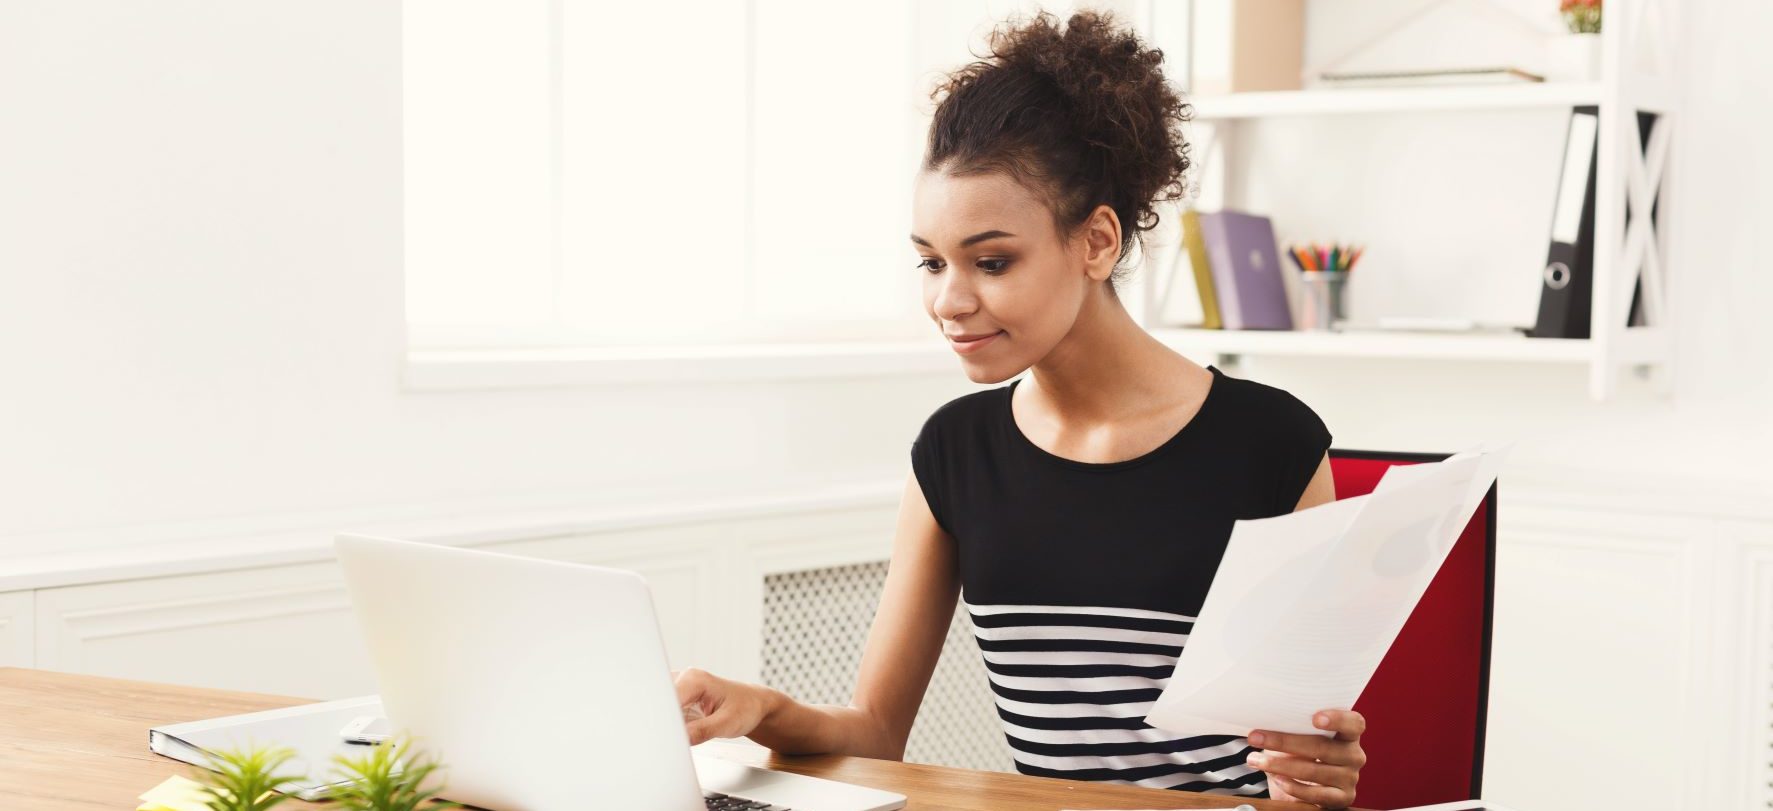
[1323, 297]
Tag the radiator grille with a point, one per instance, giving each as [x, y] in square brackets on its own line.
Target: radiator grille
[1767, 725]
[1760, 592]
[814, 625]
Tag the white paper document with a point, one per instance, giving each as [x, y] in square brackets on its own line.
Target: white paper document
[1305, 605]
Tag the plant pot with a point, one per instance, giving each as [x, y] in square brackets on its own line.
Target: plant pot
[1573, 58]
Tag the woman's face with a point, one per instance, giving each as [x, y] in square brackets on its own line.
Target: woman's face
[998, 280]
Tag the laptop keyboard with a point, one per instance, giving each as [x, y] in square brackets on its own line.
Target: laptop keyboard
[722, 802]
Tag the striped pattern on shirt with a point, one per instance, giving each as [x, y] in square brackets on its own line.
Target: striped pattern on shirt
[1073, 685]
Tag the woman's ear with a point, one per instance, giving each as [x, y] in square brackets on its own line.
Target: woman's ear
[1101, 243]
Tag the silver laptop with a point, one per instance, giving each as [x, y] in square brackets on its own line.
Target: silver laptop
[543, 686]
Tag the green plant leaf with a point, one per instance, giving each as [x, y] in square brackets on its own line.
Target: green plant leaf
[246, 779]
[390, 777]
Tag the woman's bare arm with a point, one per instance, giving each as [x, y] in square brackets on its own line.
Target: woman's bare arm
[1321, 489]
[916, 607]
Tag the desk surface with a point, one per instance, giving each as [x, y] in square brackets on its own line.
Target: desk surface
[81, 742]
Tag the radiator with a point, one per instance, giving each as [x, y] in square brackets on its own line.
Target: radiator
[814, 625]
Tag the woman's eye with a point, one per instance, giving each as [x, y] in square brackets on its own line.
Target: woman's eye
[990, 266]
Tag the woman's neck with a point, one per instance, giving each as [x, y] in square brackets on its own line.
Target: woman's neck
[1108, 367]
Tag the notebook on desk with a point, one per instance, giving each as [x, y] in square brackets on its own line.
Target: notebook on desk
[312, 730]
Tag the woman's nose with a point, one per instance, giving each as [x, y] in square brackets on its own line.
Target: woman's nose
[955, 297]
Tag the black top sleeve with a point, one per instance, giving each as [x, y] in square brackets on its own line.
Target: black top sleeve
[926, 467]
[1304, 439]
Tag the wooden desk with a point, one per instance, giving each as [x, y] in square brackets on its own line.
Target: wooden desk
[81, 742]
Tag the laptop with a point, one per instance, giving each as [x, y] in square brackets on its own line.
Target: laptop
[543, 685]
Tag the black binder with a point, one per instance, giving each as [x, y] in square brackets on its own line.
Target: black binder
[1566, 286]
[1568, 279]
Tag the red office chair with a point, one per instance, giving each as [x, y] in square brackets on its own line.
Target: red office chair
[1426, 704]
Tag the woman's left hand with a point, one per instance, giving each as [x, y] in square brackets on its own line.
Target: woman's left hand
[1312, 768]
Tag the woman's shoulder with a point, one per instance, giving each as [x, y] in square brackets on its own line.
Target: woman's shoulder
[967, 412]
[1267, 409]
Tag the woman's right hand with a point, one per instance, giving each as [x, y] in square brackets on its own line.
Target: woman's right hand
[714, 707]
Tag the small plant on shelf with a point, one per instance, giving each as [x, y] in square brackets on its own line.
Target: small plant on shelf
[246, 779]
[390, 777]
[1582, 16]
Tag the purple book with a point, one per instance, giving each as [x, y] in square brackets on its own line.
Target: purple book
[1246, 271]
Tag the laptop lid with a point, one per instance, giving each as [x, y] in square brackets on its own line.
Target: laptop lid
[540, 684]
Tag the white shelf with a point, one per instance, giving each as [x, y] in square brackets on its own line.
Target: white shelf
[1638, 72]
[1405, 345]
[1331, 101]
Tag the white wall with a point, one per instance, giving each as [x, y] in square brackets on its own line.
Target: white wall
[200, 247]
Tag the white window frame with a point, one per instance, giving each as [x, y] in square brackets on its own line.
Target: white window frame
[440, 358]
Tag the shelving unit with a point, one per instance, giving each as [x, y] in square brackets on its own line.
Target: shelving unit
[1404, 346]
[1637, 75]
[1395, 99]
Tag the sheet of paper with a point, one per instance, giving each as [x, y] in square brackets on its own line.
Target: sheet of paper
[1268, 557]
[1313, 599]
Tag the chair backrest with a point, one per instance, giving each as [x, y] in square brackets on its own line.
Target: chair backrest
[1425, 706]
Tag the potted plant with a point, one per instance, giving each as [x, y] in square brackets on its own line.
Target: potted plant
[1576, 56]
[247, 779]
[391, 777]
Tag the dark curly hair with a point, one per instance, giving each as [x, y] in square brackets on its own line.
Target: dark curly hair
[1080, 115]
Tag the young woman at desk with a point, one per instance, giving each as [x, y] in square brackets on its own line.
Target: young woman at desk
[1081, 511]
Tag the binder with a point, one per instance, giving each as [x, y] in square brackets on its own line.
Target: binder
[1202, 269]
[1246, 271]
[312, 730]
[1566, 283]
[1566, 299]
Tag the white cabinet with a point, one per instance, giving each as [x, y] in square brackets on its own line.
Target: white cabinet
[1630, 663]
[285, 629]
[1592, 653]
[289, 630]
[16, 629]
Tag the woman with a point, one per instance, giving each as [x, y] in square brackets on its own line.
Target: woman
[1079, 513]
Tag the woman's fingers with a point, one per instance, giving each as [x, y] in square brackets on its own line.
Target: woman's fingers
[706, 729]
[1325, 796]
[714, 707]
[1312, 768]
[698, 731]
[691, 684]
[1347, 724]
[1310, 747]
[1297, 768]
[701, 718]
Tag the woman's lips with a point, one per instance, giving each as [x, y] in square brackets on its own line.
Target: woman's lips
[968, 347]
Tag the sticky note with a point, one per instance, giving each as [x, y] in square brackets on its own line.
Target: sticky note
[175, 793]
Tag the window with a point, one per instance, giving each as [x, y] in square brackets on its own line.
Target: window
[715, 171]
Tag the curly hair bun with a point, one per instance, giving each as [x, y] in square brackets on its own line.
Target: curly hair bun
[1080, 112]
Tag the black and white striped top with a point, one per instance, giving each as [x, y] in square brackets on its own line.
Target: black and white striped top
[1083, 580]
